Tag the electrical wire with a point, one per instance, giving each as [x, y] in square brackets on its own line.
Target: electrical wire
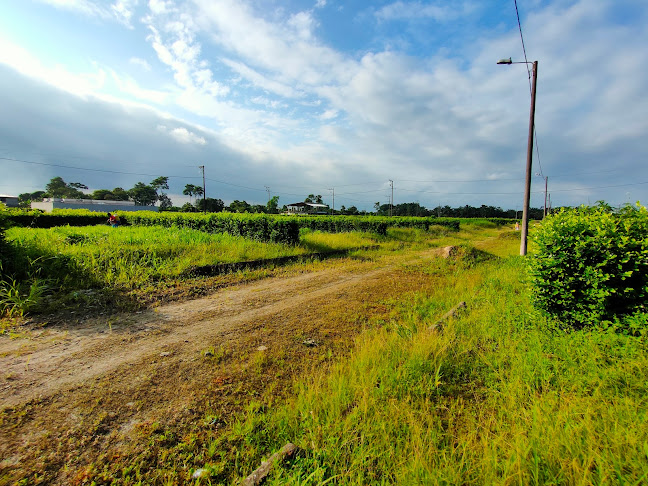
[535, 138]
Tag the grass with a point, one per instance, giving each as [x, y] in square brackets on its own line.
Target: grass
[134, 258]
[499, 396]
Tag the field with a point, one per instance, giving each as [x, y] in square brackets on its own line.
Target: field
[347, 358]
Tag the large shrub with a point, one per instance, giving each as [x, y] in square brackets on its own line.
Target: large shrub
[591, 264]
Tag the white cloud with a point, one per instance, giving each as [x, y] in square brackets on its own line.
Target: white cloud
[129, 86]
[183, 135]
[260, 80]
[287, 49]
[441, 12]
[136, 61]
[329, 115]
[121, 10]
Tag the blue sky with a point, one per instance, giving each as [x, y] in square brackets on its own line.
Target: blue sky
[305, 97]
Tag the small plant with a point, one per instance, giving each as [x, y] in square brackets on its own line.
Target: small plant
[20, 296]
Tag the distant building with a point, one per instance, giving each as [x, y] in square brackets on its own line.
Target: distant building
[307, 208]
[99, 205]
[9, 201]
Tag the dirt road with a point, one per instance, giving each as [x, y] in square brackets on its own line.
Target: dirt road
[73, 394]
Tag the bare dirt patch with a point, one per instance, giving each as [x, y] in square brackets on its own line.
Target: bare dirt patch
[82, 401]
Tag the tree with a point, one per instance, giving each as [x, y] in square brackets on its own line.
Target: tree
[189, 190]
[158, 184]
[273, 205]
[120, 194]
[101, 194]
[143, 195]
[212, 205]
[57, 187]
[237, 206]
[188, 208]
[77, 185]
[165, 201]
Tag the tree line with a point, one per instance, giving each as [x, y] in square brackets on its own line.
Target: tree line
[153, 193]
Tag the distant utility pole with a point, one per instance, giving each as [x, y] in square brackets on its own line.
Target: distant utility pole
[333, 189]
[545, 206]
[268, 190]
[391, 201]
[202, 168]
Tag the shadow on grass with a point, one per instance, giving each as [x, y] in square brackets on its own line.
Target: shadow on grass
[40, 280]
[224, 268]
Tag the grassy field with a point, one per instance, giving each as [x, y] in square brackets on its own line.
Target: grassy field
[64, 260]
[498, 394]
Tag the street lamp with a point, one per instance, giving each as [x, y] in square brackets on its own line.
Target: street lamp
[527, 186]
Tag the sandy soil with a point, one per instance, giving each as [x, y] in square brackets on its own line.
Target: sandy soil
[72, 394]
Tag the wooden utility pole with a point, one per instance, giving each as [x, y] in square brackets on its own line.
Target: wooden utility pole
[202, 168]
[527, 185]
[391, 200]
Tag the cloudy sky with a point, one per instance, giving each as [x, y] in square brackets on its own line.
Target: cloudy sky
[296, 97]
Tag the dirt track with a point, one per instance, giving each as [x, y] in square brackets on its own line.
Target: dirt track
[69, 395]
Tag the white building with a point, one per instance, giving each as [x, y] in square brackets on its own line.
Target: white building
[9, 201]
[307, 208]
[99, 205]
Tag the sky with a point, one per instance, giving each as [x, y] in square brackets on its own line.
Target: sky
[339, 98]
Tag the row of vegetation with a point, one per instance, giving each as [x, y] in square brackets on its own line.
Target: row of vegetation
[49, 268]
[153, 193]
[284, 229]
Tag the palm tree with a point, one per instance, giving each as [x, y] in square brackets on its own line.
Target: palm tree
[190, 190]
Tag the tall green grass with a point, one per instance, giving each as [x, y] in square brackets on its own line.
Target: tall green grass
[132, 257]
[498, 396]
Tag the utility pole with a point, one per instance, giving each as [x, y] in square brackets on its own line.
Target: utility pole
[527, 184]
[333, 189]
[202, 168]
[391, 200]
[545, 206]
[268, 191]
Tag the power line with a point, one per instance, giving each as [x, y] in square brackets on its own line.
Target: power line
[342, 195]
[517, 13]
[94, 170]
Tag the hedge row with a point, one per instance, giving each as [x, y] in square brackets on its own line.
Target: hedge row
[59, 217]
[371, 224]
[284, 229]
[260, 227]
[591, 264]
[340, 224]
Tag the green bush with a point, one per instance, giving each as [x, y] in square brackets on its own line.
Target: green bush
[58, 217]
[258, 227]
[591, 264]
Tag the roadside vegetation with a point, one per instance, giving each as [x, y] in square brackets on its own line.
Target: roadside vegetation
[88, 265]
[507, 390]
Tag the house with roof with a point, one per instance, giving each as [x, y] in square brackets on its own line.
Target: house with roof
[9, 201]
[99, 205]
[307, 208]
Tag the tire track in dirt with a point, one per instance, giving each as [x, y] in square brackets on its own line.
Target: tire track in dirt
[57, 360]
